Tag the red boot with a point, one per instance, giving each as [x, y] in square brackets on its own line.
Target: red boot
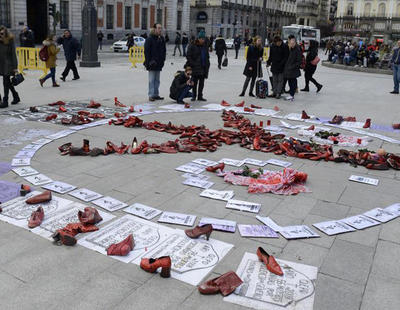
[89, 216]
[122, 248]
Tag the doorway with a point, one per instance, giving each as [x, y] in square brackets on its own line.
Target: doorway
[37, 18]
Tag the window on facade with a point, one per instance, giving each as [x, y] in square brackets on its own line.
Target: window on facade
[367, 9]
[144, 18]
[382, 9]
[64, 14]
[110, 17]
[350, 9]
[128, 17]
[159, 16]
[5, 13]
[179, 21]
[222, 16]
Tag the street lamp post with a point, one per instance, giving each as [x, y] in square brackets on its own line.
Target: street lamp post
[89, 35]
[264, 23]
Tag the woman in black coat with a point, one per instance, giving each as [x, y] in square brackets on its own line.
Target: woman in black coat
[252, 70]
[310, 68]
[198, 58]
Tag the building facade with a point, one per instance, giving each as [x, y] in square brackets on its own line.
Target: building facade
[243, 17]
[313, 13]
[370, 19]
[116, 18]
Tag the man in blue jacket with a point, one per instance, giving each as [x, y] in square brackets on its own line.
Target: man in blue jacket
[72, 49]
[154, 53]
[396, 68]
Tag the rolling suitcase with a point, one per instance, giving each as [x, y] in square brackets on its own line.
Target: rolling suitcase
[261, 87]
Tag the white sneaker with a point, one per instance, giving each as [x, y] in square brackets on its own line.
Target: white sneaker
[289, 98]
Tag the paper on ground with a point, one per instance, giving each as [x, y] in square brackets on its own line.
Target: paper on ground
[109, 203]
[18, 162]
[188, 175]
[38, 179]
[232, 162]
[243, 206]
[59, 187]
[143, 211]
[394, 209]
[204, 162]
[280, 163]
[219, 195]
[25, 171]
[177, 218]
[217, 224]
[360, 179]
[333, 227]
[360, 221]
[265, 112]
[255, 162]
[85, 195]
[381, 215]
[261, 289]
[257, 231]
[195, 182]
[191, 168]
[269, 222]
[297, 232]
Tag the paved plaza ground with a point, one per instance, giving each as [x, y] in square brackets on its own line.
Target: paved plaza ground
[357, 270]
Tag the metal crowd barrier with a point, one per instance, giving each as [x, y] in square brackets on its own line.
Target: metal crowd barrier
[28, 58]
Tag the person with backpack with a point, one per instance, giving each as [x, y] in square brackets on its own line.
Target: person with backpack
[253, 69]
[48, 53]
[292, 67]
[220, 49]
[8, 65]
[72, 49]
[312, 60]
[181, 85]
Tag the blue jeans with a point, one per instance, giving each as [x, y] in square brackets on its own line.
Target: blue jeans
[334, 58]
[292, 86]
[184, 49]
[185, 93]
[348, 59]
[396, 77]
[52, 75]
[154, 83]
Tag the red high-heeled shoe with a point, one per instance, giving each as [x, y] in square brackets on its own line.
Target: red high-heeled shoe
[240, 104]
[367, 123]
[225, 104]
[269, 261]
[122, 248]
[199, 230]
[152, 264]
[304, 115]
[220, 166]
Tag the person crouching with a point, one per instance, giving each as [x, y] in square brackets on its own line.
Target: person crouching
[181, 85]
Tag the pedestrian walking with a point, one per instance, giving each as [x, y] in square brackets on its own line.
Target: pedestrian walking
[26, 37]
[277, 59]
[395, 61]
[100, 37]
[155, 53]
[185, 42]
[253, 69]
[198, 58]
[52, 52]
[312, 60]
[237, 43]
[130, 42]
[178, 42]
[292, 67]
[72, 50]
[8, 66]
[220, 49]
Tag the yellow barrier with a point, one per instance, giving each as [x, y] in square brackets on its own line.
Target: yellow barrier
[265, 54]
[136, 55]
[28, 58]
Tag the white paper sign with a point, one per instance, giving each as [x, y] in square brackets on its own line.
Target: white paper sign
[143, 211]
[219, 195]
[42, 141]
[32, 147]
[380, 215]
[297, 232]
[265, 112]
[198, 183]
[360, 221]
[85, 195]
[232, 162]
[60, 134]
[195, 176]
[257, 231]
[109, 203]
[243, 206]
[255, 162]
[269, 222]
[279, 163]
[17, 162]
[177, 218]
[205, 162]
[25, 154]
[287, 125]
[394, 209]
[217, 224]
[333, 227]
[360, 179]
[25, 171]
[261, 289]
[59, 187]
[39, 179]
[191, 168]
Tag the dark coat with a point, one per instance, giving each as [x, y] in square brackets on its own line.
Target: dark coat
[8, 58]
[253, 61]
[220, 46]
[193, 56]
[237, 41]
[310, 68]
[278, 56]
[71, 47]
[178, 39]
[293, 63]
[185, 40]
[27, 39]
[178, 84]
[154, 53]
